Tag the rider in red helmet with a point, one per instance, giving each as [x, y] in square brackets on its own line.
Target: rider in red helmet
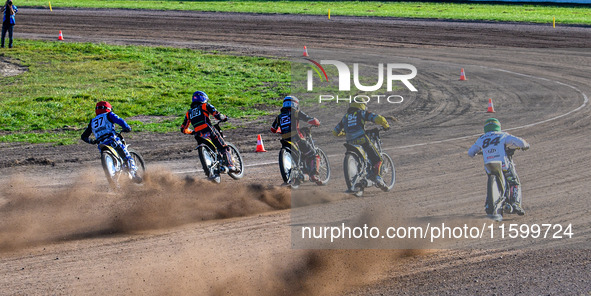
[103, 128]
[198, 116]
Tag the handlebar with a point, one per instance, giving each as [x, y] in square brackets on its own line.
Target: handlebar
[306, 129]
[511, 151]
[376, 131]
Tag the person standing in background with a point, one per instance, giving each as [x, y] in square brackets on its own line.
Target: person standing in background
[8, 21]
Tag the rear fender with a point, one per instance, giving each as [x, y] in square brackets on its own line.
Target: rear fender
[290, 145]
[355, 149]
[496, 168]
[208, 143]
[108, 147]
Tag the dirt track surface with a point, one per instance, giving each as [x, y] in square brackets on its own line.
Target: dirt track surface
[61, 237]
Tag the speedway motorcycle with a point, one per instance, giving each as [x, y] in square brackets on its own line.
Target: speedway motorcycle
[213, 162]
[115, 166]
[357, 166]
[294, 167]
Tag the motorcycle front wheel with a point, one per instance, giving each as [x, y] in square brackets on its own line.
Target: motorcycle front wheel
[324, 168]
[387, 171]
[238, 163]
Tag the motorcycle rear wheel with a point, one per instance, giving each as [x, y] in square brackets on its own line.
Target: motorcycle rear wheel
[354, 169]
[288, 167]
[207, 158]
[111, 166]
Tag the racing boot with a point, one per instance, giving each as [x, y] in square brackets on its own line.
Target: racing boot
[516, 200]
[136, 178]
[230, 162]
[375, 176]
[518, 209]
[133, 171]
[381, 183]
[314, 170]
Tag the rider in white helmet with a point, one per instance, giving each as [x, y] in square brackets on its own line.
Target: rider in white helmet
[287, 123]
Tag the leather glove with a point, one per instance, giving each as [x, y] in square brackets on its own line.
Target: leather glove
[339, 134]
[382, 121]
[314, 122]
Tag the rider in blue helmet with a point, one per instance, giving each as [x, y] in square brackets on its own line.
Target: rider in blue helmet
[198, 116]
[200, 97]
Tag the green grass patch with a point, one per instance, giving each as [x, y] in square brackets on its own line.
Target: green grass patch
[65, 80]
[535, 13]
[57, 138]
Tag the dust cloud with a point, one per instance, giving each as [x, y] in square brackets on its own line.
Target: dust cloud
[293, 272]
[277, 271]
[34, 215]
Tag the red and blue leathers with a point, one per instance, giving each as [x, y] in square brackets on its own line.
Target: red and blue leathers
[198, 116]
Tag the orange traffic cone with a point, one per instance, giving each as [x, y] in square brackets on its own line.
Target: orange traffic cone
[260, 146]
[490, 107]
[462, 75]
[305, 51]
[60, 36]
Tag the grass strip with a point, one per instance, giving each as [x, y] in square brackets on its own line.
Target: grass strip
[149, 86]
[535, 13]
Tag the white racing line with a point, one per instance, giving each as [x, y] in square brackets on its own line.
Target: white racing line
[585, 101]
[246, 165]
